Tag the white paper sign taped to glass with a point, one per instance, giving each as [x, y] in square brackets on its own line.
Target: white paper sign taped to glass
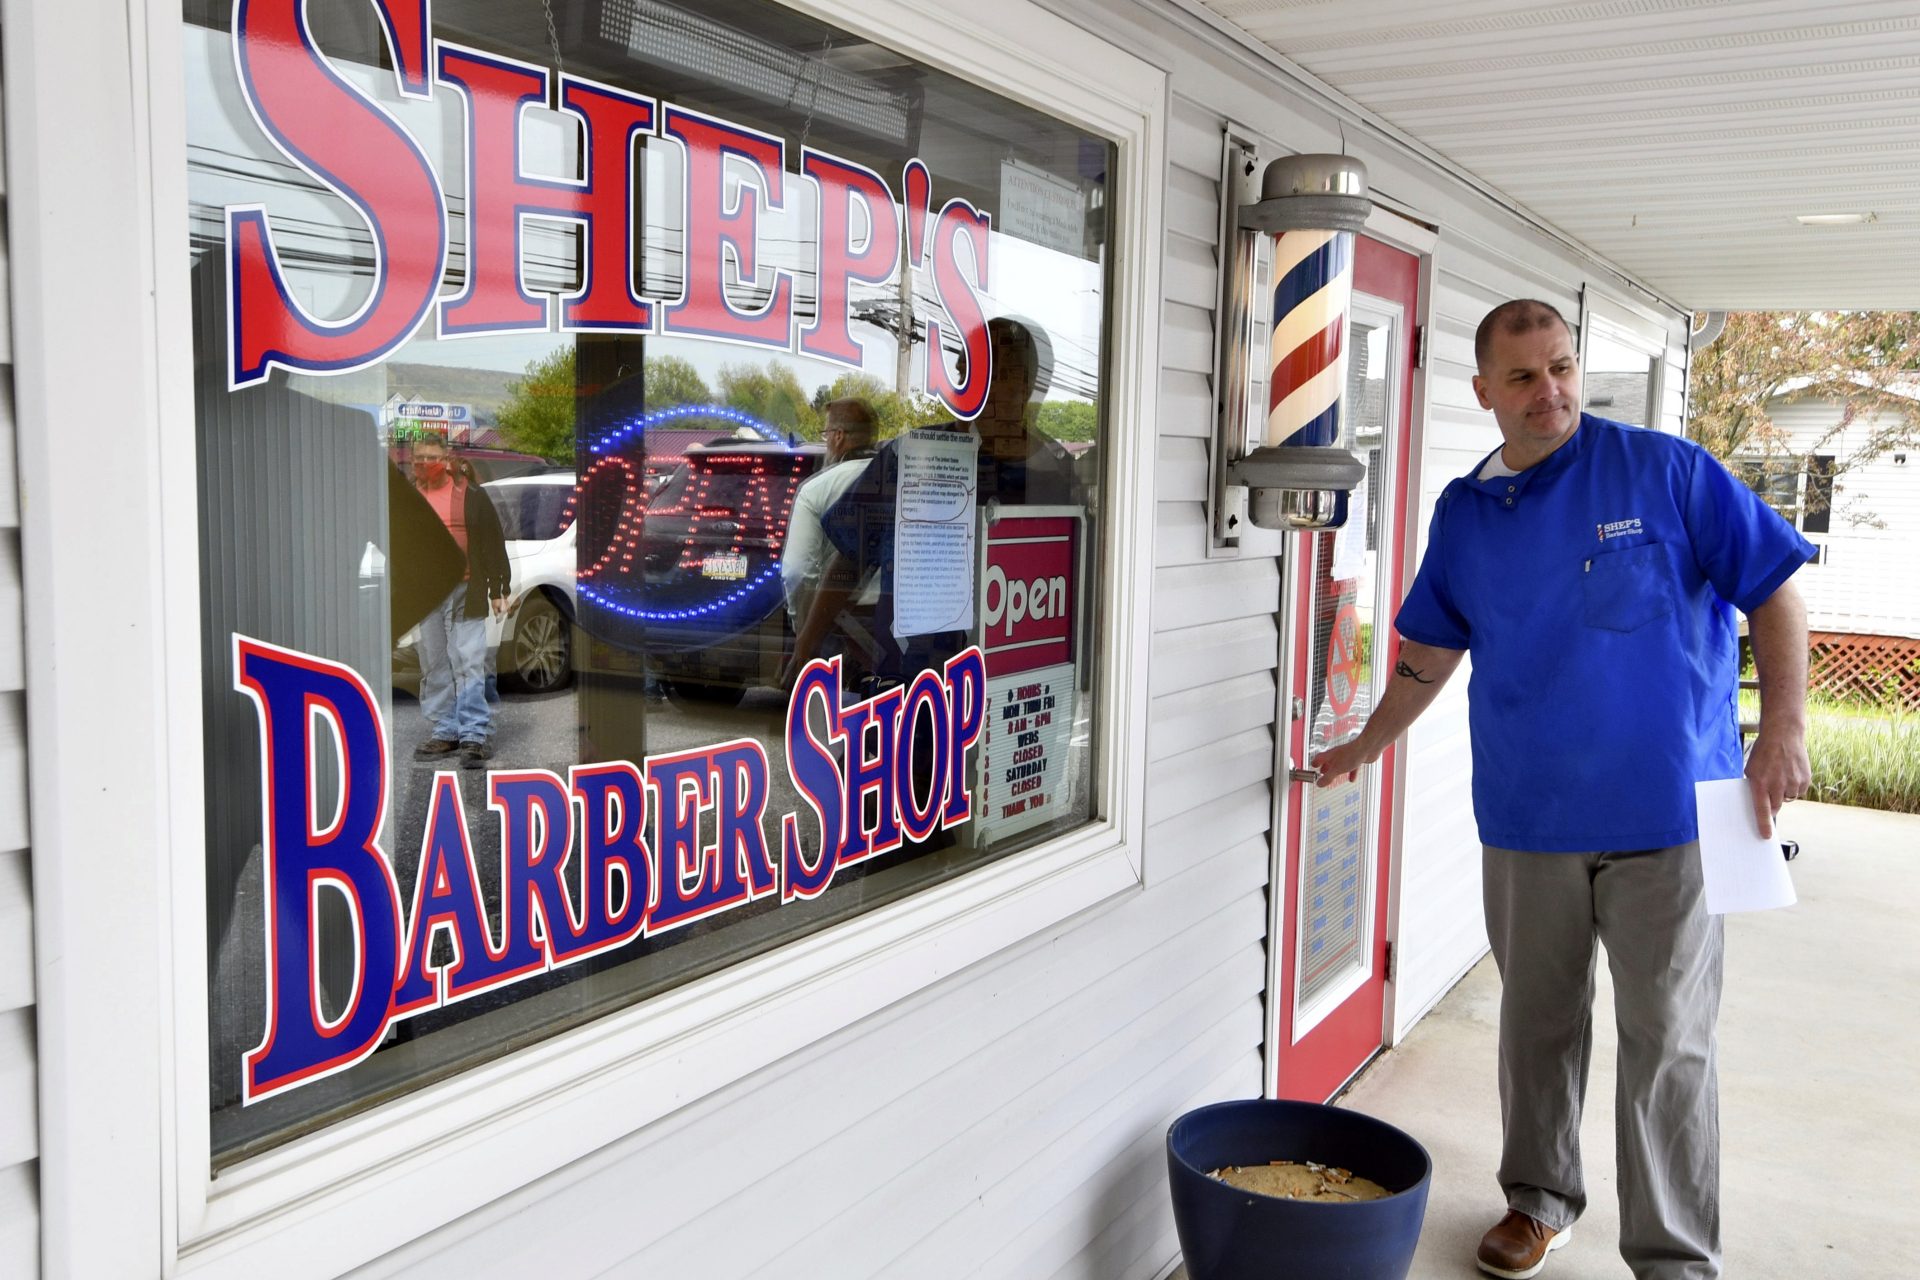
[933, 533]
[1029, 616]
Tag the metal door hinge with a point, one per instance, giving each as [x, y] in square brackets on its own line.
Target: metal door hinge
[1392, 962]
[1420, 346]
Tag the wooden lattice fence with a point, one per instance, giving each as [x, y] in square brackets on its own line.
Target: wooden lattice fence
[1879, 671]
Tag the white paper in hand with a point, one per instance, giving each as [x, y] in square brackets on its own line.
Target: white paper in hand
[1743, 869]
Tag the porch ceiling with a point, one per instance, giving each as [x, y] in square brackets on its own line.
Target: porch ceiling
[1677, 138]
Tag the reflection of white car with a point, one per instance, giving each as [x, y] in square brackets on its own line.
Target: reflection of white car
[533, 642]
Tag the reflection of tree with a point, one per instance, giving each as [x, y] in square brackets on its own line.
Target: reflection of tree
[1070, 419]
[538, 415]
[671, 381]
[892, 412]
[772, 393]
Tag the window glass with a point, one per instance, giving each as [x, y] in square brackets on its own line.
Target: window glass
[650, 506]
[1618, 378]
[1776, 480]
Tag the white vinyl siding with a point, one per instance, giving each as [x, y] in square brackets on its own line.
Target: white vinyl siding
[19, 1110]
[1866, 585]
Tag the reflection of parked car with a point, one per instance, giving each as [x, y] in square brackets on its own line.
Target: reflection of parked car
[533, 643]
[709, 596]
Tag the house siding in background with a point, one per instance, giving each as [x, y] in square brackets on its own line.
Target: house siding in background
[1865, 582]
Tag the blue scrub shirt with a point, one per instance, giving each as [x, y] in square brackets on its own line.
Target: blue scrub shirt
[1596, 592]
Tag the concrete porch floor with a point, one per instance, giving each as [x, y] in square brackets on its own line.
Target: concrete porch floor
[1819, 1080]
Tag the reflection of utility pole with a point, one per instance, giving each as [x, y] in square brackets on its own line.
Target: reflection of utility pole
[903, 328]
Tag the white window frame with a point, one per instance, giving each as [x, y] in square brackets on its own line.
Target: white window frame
[114, 687]
[1629, 325]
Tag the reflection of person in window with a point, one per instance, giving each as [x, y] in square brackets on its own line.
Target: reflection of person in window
[1017, 465]
[453, 637]
[848, 435]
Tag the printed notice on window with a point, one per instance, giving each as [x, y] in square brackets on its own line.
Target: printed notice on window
[933, 533]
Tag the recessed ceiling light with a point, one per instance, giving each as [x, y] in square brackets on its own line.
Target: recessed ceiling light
[1833, 219]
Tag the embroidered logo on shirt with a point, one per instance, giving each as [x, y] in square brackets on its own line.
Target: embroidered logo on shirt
[1619, 528]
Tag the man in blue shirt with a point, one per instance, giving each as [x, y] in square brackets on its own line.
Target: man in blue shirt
[1592, 570]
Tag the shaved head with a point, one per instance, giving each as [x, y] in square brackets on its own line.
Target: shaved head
[1522, 315]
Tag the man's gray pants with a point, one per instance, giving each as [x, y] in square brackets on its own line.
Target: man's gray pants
[1544, 914]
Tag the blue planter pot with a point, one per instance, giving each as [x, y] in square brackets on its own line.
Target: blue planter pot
[1228, 1234]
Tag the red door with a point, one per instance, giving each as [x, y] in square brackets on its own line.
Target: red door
[1342, 589]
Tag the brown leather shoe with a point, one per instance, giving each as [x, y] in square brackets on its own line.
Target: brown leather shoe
[1518, 1246]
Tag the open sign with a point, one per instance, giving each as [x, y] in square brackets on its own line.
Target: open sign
[1029, 599]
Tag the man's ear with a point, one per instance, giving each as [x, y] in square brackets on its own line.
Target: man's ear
[1480, 390]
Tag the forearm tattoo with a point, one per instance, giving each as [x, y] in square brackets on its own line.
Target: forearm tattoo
[1401, 668]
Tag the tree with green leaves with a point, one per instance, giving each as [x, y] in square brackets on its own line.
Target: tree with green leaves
[892, 412]
[1070, 419]
[538, 415]
[672, 380]
[772, 393]
[1868, 361]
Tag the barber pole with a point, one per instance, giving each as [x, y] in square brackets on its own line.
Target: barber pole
[1312, 294]
[1298, 476]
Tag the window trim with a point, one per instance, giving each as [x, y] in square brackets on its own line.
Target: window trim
[1633, 326]
[121, 951]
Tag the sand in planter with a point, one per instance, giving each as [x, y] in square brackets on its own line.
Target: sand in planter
[1300, 1181]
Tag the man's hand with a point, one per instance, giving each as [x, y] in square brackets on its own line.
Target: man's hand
[1344, 760]
[499, 606]
[1417, 677]
[1777, 771]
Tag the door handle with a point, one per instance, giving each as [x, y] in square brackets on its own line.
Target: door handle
[1303, 775]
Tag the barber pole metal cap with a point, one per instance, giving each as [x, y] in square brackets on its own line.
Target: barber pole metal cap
[1313, 205]
[1314, 192]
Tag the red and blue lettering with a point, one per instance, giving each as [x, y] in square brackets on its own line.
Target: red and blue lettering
[954, 702]
[612, 819]
[697, 880]
[812, 766]
[537, 922]
[966, 679]
[357, 150]
[876, 773]
[501, 197]
[926, 695]
[298, 698]
[918, 185]
[718, 229]
[842, 187]
[447, 901]
[960, 223]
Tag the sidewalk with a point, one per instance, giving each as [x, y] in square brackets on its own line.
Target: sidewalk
[1819, 1080]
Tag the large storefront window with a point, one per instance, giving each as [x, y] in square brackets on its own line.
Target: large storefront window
[650, 471]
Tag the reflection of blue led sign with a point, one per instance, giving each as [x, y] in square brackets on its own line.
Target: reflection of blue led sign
[674, 413]
[740, 595]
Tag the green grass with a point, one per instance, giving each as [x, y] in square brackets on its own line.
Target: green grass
[1860, 756]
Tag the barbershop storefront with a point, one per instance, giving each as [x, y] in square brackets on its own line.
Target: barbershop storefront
[636, 654]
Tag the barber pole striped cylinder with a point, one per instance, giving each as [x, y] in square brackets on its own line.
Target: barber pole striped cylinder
[1312, 294]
